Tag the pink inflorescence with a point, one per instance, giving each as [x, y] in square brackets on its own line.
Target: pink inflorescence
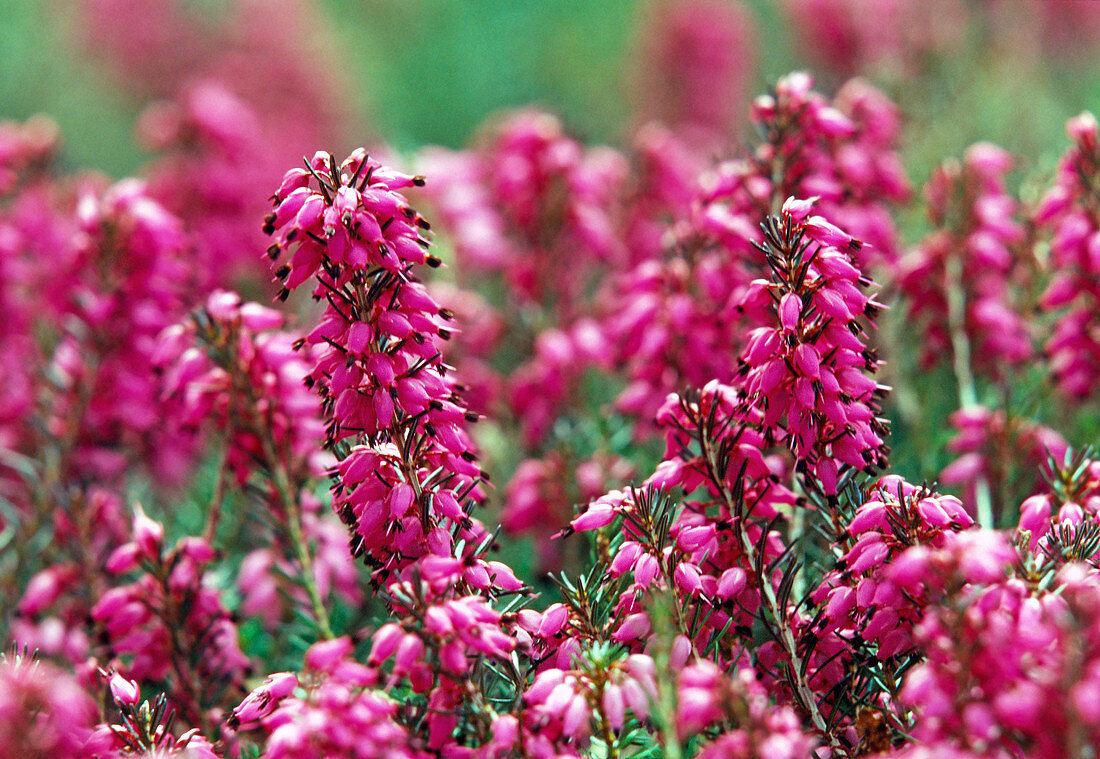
[899, 37]
[169, 626]
[235, 366]
[989, 442]
[975, 254]
[858, 597]
[698, 61]
[540, 208]
[411, 472]
[843, 152]
[1008, 666]
[1068, 213]
[674, 314]
[810, 376]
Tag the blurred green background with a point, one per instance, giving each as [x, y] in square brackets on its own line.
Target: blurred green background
[430, 71]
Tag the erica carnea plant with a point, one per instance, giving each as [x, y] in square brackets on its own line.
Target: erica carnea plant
[231, 530]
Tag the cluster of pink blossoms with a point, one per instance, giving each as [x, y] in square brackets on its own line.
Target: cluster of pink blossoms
[44, 712]
[677, 316]
[973, 255]
[699, 58]
[898, 37]
[1068, 211]
[234, 365]
[1008, 666]
[991, 446]
[152, 625]
[809, 377]
[377, 364]
[756, 595]
[862, 606]
[842, 151]
[110, 320]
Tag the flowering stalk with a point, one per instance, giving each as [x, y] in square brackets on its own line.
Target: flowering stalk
[230, 364]
[293, 510]
[777, 605]
[144, 729]
[964, 378]
[959, 279]
[168, 626]
[378, 366]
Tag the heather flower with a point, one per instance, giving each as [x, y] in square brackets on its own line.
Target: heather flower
[1060, 523]
[1001, 450]
[842, 152]
[1066, 214]
[859, 597]
[377, 364]
[540, 498]
[809, 375]
[263, 700]
[698, 58]
[233, 349]
[706, 696]
[44, 713]
[592, 696]
[122, 308]
[430, 654]
[53, 613]
[676, 313]
[144, 731]
[541, 386]
[1008, 666]
[534, 193]
[975, 255]
[339, 717]
[168, 626]
[219, 128]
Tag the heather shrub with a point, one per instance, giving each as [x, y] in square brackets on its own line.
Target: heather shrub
[734, 437]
